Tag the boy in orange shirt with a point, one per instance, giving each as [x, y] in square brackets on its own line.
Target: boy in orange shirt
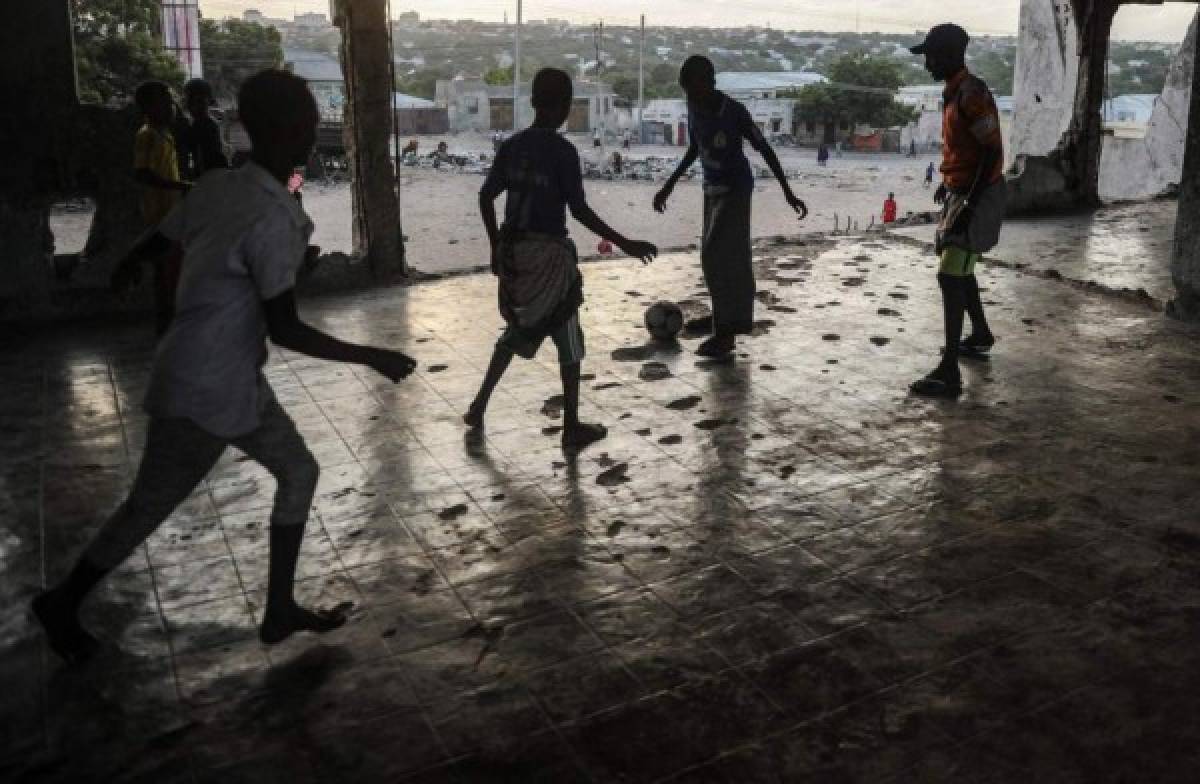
[973, 196]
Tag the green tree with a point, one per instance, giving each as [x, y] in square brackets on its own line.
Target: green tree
[234, 50]
[996, 68]
[860, 90]
[423, 83]
[117, 48]
[499, 76]
[626, 87]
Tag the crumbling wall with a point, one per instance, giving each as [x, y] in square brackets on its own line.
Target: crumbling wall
[1185, 261]
[1047, 68]
[1152, 166]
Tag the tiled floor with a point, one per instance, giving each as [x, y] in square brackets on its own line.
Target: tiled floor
[777, 569]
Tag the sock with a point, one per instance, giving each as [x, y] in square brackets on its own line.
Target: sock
[285, 551]
[570, 382]
[78, 584]
[979, 325]
[954, 298]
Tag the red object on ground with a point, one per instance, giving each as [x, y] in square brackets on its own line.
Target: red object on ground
[605, 247]
[889, 211]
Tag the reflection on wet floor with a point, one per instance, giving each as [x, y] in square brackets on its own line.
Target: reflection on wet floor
[778, 568]
[1122, 247]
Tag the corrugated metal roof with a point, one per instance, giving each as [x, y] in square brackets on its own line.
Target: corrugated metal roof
[313, 66]
[405, 101]
[731, 81]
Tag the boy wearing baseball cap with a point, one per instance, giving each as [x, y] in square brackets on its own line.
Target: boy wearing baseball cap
[972, 195]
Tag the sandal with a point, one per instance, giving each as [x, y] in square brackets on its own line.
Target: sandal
[976, 348]
[937, 384]
[717, 346]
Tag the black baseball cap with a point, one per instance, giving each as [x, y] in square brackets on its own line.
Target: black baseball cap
[944, 37]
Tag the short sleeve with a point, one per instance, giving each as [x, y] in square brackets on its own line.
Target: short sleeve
[497, 178]
[570, 176]
[273, 251]
[143, 149]
[980, 116]
[748, 128]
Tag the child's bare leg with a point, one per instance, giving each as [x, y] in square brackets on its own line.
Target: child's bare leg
[178, 455]
[501, 358]
[575, 433]
[278, 446]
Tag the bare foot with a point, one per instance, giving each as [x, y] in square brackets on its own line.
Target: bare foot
[278, 625]
[66, 636]
[581, 434]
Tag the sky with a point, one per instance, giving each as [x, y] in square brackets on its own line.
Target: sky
[981, 17]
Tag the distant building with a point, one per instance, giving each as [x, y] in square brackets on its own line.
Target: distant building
[467, 105]
[311, 21]
[472, 105]
[1129, 110]
[416, 115]
[765, 84]
[324, 76]
[252, 15]
[181, 34]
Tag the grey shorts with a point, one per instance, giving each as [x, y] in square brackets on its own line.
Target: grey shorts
[568, 339]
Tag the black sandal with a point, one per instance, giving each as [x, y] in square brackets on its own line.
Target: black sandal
[934, 385]
[974, 348]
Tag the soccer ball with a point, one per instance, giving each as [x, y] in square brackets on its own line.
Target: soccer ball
[664, 320]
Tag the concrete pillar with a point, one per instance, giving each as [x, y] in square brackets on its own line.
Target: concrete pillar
[38, 93]
[1080, 147]
[1185, 261]
[366, 62]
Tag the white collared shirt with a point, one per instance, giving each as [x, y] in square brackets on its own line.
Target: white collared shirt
[243, 238]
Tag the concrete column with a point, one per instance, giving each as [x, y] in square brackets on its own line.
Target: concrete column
[38, 93]
[366, 62]
[1082, 143]
[1185, 261]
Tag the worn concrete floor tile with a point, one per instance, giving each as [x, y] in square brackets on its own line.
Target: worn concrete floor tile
[994, 589]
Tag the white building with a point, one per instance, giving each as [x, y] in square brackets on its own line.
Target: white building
[765, 84]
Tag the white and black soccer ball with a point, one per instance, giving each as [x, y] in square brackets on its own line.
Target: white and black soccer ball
[664, 320]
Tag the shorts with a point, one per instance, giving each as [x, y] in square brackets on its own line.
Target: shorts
[568, 339]
[958, 262]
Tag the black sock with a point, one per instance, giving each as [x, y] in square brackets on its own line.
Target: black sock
[953, 309]
[974, 305]
[285, 551]
[570, 382]
[78, 584]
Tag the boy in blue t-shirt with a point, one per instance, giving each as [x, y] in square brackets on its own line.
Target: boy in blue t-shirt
[540, 287]
[717, 124]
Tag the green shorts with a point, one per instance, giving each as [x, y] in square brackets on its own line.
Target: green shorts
[568, 339]
[958, 262]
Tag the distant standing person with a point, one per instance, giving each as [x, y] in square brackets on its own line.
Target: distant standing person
[889, 209]
[718, 126]
[540, 285]
[156, 168]
[596, 138]
[929, 175]
[823, 155]
[972, 195]
[202, 150]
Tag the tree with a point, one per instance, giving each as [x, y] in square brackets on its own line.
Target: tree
[861, 90]
[234, 50]
[117, 48]
[996, 68]
[626, 87]
[499, 76]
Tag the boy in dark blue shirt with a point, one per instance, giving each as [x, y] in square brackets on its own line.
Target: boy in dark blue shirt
[540, 286]
[717, 124]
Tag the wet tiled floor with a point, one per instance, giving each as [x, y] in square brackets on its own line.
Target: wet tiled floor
[780, 568]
